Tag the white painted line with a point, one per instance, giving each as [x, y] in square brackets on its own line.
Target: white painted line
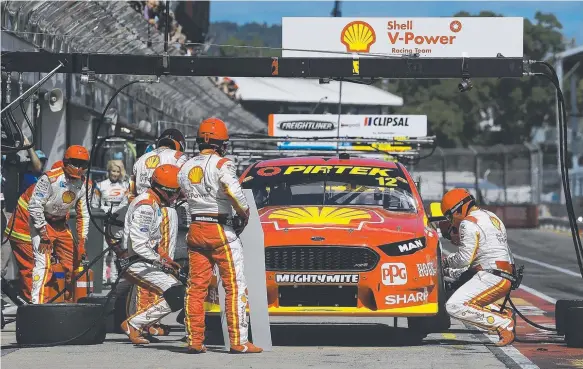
[513, 353]
[548, 266]
[538, 294]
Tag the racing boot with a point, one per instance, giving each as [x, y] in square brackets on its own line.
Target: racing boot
[506, 335]
[196, 349]
[134, 334]
[246, 348]
[159, 330]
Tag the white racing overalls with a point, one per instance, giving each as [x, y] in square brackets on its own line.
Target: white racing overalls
[142, 172]
[144, 227]
[212, 189]
[53, 197]
[483, 246]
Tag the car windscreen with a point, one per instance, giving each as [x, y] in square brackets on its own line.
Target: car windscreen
[334, 185]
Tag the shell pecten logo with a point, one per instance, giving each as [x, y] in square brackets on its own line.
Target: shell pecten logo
[152, 161]
[195, 175]
[68, 197]
[317, 215]
[358, 36]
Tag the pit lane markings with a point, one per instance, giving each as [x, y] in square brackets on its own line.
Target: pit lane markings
[548, 266]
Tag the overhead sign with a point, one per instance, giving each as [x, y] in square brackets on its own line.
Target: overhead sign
[428, 37]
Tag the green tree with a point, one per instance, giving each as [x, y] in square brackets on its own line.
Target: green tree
[253, 48]
[514, 105]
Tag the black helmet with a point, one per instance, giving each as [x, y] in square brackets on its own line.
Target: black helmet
[172, 138]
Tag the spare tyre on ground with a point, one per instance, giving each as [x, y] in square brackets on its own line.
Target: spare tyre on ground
[60, 324]
[110, 311]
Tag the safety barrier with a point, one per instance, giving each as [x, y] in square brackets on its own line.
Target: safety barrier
[558, 224]
[516, 216]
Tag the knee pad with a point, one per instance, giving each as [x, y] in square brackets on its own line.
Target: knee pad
[174, 296]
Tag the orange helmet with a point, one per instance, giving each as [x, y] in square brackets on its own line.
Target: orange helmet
[57, 164]
[212, 129]
[213, 133]
[456, 203]
[164, 182]
[76, 161]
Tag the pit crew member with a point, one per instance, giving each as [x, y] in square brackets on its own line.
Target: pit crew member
[483, 249]
[210, 183]
[169, 149]
[143, 226]
[111, 195]
[40, 224]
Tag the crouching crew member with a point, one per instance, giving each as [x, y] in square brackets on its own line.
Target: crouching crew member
[212, 190]
[40, 224]
[170, 147]
[483, 248]
[142, 235]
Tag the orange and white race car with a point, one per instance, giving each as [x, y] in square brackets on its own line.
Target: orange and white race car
[347, 237]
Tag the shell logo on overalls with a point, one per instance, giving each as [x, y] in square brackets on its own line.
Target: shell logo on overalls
[68, 197]
[152, 162]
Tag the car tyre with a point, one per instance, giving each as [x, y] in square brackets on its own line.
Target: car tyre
[440, 322]
[60, 324]
[574, 328]
[561, 308]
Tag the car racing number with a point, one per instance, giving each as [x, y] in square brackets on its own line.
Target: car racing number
[387, 181]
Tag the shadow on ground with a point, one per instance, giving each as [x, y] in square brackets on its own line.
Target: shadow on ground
[349, 335]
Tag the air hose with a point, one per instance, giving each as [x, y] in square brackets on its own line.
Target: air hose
[528, 320]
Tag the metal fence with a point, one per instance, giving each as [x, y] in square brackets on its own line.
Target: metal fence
[496, 175]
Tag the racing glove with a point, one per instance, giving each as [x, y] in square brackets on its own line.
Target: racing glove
[169, 266]
[453, 273]
[82, 254]
[239, 224]
[46, 242]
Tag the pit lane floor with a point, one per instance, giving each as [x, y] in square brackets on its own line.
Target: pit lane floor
[357, 342]
[311, 345]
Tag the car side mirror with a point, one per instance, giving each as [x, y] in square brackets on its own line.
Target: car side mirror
[435, 213]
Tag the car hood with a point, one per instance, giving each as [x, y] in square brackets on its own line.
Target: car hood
[337, 225]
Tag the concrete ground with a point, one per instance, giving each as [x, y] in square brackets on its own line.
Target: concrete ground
[324, 343]
[311, 345]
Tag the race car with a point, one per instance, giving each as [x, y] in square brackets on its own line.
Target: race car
[346, 237]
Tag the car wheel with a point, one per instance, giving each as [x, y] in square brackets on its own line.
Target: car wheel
[561, 308]
[60, 324]
[440, 322]
[574, 330]
[214, 330]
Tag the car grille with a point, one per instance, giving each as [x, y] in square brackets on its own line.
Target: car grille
[320, 258]
[328, 296]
